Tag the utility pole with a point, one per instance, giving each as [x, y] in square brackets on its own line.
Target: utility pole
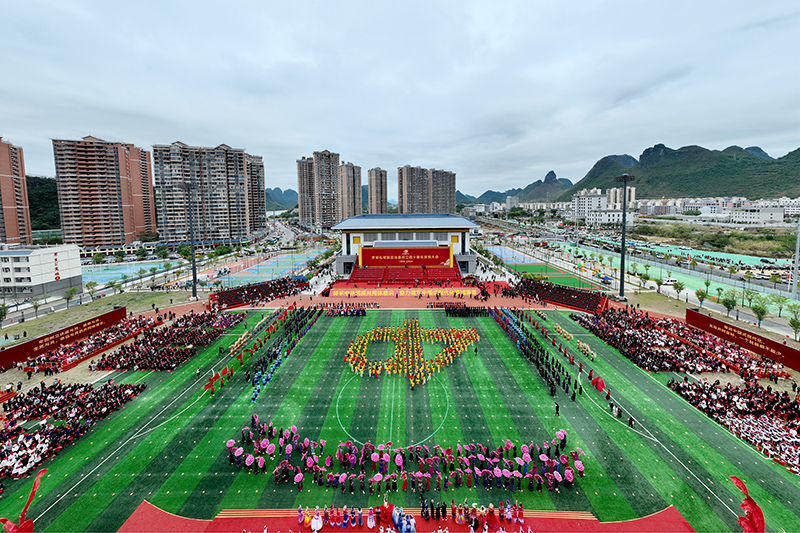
[624, 179]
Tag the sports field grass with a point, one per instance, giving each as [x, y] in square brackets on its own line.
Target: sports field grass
[556, 275]
[168, 445]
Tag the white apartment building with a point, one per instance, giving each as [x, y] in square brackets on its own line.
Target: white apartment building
[33, 271]
[757, 215]
[608, 216]
[586, 201]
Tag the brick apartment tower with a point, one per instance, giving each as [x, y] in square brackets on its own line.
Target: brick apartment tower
[378, 191]
[227, 188]
[105, 192]
[318, 189]
[421, 190]
[349, 193]
[15, 220]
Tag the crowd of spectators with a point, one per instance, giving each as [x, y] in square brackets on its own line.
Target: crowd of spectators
[78, 406]
[256, 294]
[52, 360]
[166, 348]
[666, 344]
[558, 294]
[765, 418]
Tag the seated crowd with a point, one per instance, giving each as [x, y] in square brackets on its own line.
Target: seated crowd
[168, 347]
[259, 293]
[78, 406]
[74, 351]
[765, 418]
[559, 294]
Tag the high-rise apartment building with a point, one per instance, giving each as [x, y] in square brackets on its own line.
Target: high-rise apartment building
[349, 194]
[421, 190]
[226, 186]
[378, 191]
[317, 189]
[15, 220]
[105, 192]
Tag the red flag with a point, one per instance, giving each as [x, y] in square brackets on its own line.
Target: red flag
[753, 521]
[216, 377]
[208, 386]
[225, 371]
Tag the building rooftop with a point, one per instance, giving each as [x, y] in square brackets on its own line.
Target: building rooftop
[434, 221]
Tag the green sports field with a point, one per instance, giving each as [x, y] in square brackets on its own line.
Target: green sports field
[557, 276]
[168, 445]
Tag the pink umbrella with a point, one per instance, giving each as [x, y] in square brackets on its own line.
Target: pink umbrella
[568, 474]
[239, 451]
[526, 457]
[230, 443]
[249, 460]
[315, 458]
[294, 429]
[481, 457]
[557, 476]
[560, 434]
[506, 473]
[518, 460]
[517, 474]
[271, 449]
[298, 478]
[564, 459]
[497, 472]
[469, 470]
[385, 457]
[543, 457]
[286, 434]
[538, 478]
[309, 462]
[458, 447]
[378, 476]
[261, 462]
[305, 442]
[264, 443]
[280, 441]
[582, 452]
[375, 457]
[322, 442]
[342, 478]
[381, 447]
[398, 460]
[525, 448]
[288, 448]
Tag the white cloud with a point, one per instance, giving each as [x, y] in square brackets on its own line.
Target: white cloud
[499, 92]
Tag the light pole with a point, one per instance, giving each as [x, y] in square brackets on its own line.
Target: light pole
[624, 179]
[189, 185]
[796, 261]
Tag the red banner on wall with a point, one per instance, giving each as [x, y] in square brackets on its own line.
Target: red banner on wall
[750, 341]
[36, 347]
[412, 257]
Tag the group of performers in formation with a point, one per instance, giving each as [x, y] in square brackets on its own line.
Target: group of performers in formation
[417, 468]
[408, 358]
[393, 518]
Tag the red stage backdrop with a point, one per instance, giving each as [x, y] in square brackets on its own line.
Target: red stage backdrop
[399, 257]
[35, 347]
[755, 343]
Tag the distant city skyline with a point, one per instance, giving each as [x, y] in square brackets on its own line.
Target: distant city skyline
[499, 93]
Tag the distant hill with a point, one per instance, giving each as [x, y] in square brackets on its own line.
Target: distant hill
[496, 196]
[464, 198]
[546, 190]
[697, 171]
[285, 199]
[365, 197]
[43, 202]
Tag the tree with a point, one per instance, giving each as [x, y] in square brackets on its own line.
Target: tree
[749, 295]
[759, 308]
[184, 250]
[3, 313]
[658, 282]
[98, 258]
[36, 303]
[707, 283]
[701, 296]
[69, 294]
[732, 270]
[794, 309]
[719, 290]
[730, 299]
[775, 279]
[113, 285]
[141, 253]
[679, 286]
[217, 283]
[693, 263]
[646, 270]
[91, 286]
[794, 323]
[153, 271]
[779, 301]
[161, 251]
[167, 266]
[141, 272]
[119, 256]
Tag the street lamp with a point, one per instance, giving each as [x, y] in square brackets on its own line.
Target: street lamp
[624, 179]
[189, 185]
[796, 261]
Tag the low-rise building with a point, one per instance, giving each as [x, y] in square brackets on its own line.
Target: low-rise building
[30, 272]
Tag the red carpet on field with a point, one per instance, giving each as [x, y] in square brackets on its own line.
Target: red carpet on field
[150, 519]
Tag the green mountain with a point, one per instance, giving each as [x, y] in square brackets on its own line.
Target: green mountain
[43, 202]
[546, 190]
[285, 199]
[464, 198]
[697, 171]
[496, 196]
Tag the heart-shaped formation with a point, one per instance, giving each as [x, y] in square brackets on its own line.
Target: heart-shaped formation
[408, 359]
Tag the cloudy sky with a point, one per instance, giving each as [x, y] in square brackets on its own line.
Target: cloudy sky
[499, 92]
